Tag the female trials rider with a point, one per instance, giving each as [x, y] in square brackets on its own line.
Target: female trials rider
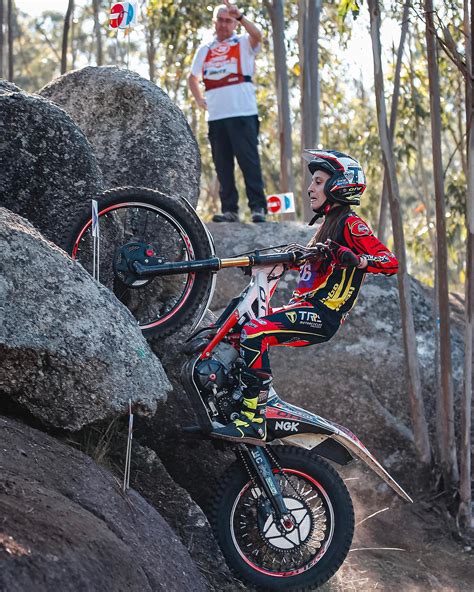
[326, 292]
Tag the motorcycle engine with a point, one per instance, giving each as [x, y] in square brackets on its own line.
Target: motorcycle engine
[216, 380]
[214, 372]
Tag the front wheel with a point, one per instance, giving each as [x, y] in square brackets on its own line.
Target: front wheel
[170, 229]
[255, 544]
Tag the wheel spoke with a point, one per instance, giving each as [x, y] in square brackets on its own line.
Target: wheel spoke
[150, 301]
[266, 544]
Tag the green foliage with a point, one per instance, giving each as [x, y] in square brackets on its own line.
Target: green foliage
[164, 42]
[346, 6]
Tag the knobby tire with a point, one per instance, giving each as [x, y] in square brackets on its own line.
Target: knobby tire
[301, 465]
[172, 220]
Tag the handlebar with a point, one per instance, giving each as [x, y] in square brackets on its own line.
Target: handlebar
[213, 264]
[293, 254]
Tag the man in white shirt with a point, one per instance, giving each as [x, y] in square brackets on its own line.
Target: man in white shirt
[226, 66]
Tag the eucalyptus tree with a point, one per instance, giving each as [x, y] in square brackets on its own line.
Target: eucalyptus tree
[151, 25]
[420, 427]
[308, 41]
[10, 17]
[1, 38]
[445, 412]
[381, 230]
[96, 11]
[66, 29]
[465, 506]
[275, 9]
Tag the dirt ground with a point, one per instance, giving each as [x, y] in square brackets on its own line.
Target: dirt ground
[403, 548]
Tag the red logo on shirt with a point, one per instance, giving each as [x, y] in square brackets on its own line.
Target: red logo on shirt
[359, 228]
[220, 49]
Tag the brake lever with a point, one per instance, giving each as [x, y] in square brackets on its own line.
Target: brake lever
[318, 252]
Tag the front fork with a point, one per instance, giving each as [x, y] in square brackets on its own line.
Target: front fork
[262, 469]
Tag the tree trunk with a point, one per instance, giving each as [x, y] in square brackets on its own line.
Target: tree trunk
[382, 227]
[151, 27]
[276, 12]
[445, 408]
[97, 32]
[420, 428]
[151, 55]
[465, 505]
[10, 39]
[308, 38]
[1, 39]
[66, 27]
[73, 44]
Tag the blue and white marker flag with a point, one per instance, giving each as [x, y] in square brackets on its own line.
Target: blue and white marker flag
[95, 218]
[281, 203]
[95, 240]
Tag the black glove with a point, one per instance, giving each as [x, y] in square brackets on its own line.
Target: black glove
[343, 256]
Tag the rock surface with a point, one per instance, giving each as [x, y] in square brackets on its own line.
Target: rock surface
[48, 169]
[139, 136]
[8, 87]
[70, 353]
[66, 525]
[150, 478]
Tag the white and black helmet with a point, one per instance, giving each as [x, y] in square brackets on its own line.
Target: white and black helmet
[347, 182]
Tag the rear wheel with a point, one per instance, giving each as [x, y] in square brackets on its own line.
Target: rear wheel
[171, 229]
[256, 545]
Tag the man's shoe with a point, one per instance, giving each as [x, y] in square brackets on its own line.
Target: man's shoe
[226, 217]
[258, 215]
[243, 430]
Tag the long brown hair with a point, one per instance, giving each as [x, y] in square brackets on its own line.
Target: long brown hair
[329, 228]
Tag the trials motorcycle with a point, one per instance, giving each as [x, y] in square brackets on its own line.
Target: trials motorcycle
[282, 514]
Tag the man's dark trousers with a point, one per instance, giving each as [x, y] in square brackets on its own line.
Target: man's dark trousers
[237, 137]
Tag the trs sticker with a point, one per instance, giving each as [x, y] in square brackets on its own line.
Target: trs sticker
[292, 316]
[310, 318]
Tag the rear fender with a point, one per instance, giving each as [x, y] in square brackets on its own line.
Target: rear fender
[295, 426]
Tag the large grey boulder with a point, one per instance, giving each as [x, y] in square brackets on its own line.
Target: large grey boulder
[150, 478]
[139, 136]
[8, 87]
[48, 169]
[66, 525]
[70, 353]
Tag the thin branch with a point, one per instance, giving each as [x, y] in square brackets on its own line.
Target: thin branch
[456, 148]
[451, 52]
[377, 549]
[48, 41]
[372, 515]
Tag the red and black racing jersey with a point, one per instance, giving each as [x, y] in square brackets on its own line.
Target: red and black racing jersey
[335, 287]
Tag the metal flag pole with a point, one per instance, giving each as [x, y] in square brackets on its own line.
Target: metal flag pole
[128, 454]
[128, 30]
[95, 240]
